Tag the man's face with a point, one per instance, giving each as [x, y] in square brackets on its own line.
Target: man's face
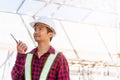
[40, 32]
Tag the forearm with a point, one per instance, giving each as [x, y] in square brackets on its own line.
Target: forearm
[18, 69]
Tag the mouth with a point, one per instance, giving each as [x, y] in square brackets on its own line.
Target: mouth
[36, 36]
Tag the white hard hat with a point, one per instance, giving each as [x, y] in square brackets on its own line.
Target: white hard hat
[45, 20]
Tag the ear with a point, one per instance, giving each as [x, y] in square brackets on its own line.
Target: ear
[51, 34]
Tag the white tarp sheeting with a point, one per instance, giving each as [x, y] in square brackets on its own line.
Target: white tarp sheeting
[86, 29]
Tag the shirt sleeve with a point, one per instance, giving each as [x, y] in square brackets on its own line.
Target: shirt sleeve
[63, 68]
[17, 72]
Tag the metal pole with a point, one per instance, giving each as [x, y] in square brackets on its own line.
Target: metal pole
[27, 30]
[69, 40]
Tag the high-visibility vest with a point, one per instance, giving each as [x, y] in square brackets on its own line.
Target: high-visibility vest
[46, 68]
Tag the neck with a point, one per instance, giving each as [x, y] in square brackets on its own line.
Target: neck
[43, 48]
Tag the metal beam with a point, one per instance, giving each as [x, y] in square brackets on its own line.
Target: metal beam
[69, 41]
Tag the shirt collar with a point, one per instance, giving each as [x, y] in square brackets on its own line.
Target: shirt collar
[50, 51]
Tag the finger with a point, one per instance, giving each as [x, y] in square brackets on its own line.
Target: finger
[19, 43]
[21, 46]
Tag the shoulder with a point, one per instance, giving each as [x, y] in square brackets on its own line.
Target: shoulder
[59, 54]
[60, 57]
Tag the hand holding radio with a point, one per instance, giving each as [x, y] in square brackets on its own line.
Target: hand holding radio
[21, 47]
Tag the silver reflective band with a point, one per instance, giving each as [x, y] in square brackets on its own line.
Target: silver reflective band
[46, 68]
[28, 65]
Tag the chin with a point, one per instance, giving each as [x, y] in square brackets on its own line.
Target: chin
[37, 40]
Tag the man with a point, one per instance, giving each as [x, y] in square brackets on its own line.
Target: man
[40, 66]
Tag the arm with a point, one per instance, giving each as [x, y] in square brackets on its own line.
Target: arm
[18, 69]
[63, 68]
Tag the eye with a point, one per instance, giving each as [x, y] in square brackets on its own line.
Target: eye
[41, 28]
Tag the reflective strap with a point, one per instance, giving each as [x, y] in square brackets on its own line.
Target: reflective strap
[28, 65]
[47, 66]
